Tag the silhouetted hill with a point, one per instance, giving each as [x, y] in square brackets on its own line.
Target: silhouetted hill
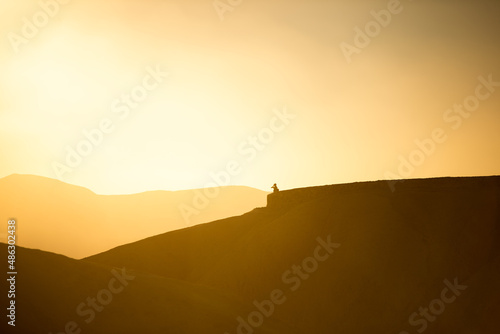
[66, 219]
[54, 291]
[354, 258]
[399, 253]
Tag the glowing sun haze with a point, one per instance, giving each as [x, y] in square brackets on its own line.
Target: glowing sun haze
[268, 88]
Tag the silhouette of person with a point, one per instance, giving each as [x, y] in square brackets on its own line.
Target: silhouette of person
[275, 188]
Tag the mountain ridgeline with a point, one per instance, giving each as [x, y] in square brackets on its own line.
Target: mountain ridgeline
[370, 257]
[73, 221]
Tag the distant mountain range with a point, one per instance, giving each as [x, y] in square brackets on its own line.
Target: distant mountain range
[71, 220]
[353, 258]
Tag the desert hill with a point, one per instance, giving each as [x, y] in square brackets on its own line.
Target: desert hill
[70, 220]
[53, 292]
[353, 258]
[398, 251]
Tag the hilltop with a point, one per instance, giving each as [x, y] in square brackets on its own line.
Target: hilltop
[396, 251]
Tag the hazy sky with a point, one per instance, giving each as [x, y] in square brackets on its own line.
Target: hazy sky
[343, 116]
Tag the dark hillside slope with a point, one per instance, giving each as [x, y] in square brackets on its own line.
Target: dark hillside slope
[50, 288]
[398, 252]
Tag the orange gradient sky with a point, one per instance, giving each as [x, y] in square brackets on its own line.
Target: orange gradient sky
[227, 81]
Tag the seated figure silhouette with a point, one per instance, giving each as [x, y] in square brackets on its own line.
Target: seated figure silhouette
[275, 188]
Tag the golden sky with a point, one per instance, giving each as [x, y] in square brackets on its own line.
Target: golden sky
[176, 94]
